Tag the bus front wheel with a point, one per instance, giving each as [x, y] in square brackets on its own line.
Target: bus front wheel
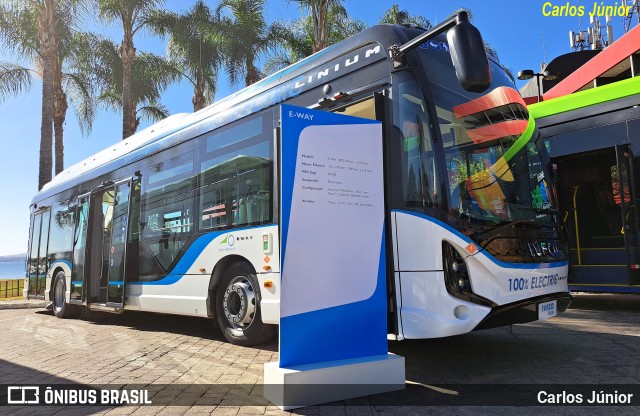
[61, 309]
[238, 307]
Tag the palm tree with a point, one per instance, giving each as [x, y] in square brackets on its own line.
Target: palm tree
[37, 19]
[298, 45]
[246, 36]
[37, 30]
[194, 46]
[300, 40]
[322, 13]
[74, 82]
[150, 76]
[134, 16]
[396, 16]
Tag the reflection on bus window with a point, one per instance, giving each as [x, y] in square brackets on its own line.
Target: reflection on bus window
[419, 171]
[235, 181]
[167, 212]
[497, 172]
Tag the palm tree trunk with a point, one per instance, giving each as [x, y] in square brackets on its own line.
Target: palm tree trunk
[46, 127]
[59, 115]
[127, 53]
[135, 121]
[252, 73]
[60, 107]
[319, 13]
[47, 35]
[198, 100]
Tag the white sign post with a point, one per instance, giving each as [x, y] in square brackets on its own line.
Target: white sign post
[333, 316]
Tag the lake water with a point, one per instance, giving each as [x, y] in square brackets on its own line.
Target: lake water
[11, 269]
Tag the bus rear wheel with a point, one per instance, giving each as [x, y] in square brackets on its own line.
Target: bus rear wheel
[61, 309]
[238, 307]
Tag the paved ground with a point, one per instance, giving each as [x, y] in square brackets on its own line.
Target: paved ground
[595, 342]
[19, 303]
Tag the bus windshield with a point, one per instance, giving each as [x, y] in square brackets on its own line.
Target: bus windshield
[496, 163]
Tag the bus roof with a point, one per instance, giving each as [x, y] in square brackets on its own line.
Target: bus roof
[152, 139]
[587, 98]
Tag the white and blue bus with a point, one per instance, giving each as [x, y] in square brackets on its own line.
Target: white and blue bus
[183, 217]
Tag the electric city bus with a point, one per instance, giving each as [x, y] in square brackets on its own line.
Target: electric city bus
[592, 140]
[183, 217]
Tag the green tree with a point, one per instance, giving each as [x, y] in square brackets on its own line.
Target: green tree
[194, 46]
[134, 16]
[300, 38]
[396, 16]
[37, 18]
[150, 76]
[246, 37]
[73, 82]
[40, 33]
[322, 13]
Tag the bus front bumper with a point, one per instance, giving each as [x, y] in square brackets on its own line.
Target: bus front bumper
[523, 311]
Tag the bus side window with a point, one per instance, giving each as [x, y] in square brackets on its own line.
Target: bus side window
[236, 174]
[420, 182]
[133, 244]
[167, 211]
[62, 225]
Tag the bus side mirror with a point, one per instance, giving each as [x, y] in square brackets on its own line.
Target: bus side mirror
[468, 55]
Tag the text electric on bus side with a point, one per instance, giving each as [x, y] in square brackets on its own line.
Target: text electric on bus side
[183, 217]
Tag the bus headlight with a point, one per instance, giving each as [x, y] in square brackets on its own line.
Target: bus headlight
[455, 271]
[456, 277]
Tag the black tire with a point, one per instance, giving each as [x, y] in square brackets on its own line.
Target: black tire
[238, 307]
[61, 309]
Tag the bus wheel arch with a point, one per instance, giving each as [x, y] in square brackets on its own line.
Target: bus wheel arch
[61, 308]
[218, 271]
[54, 275]
[236, 293]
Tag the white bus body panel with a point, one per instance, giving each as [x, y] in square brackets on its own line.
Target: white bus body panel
[428, 311]
[187, 294]
[426, 308]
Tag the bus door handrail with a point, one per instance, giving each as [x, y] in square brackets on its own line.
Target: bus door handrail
[575, 219]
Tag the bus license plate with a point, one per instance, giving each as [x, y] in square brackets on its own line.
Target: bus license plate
[547, 310]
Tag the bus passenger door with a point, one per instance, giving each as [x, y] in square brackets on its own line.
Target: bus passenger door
[118, 247]
[595, 193]
[78, 276]
[624, 195]
[374, 107]
[105, 253]
[38, 264]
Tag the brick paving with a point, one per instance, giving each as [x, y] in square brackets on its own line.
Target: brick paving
[596, 342]
[22, 304]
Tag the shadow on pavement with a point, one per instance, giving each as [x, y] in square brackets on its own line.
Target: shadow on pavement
[157, 322]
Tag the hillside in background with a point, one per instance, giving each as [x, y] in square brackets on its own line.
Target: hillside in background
[14, 257]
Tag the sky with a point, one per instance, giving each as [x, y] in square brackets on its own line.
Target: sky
[522, 35]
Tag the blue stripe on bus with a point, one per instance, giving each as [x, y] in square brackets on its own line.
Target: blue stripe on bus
[67, 262]
[77, 283]
[192, 254]
[116, 283]
[484, 252]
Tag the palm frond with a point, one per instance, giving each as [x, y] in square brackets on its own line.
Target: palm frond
[79, 89]
[14, 79]
[153, 112]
